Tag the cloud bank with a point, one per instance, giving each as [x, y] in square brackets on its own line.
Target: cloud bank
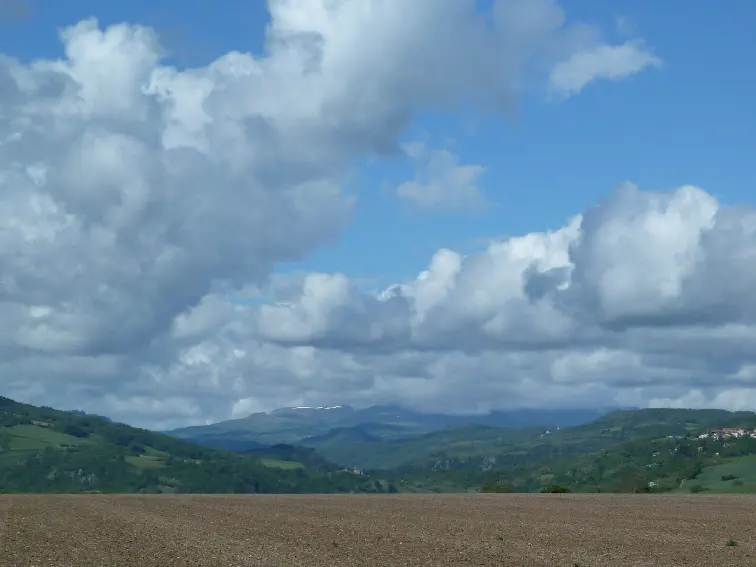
[137, 198]
[643, 299]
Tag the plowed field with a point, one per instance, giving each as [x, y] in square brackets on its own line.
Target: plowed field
[377, 530]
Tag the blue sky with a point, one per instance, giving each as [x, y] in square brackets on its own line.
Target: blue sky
[683, 123]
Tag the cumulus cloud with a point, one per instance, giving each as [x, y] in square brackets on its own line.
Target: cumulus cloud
[601, 62]
[645, 298]
[136, 197]
[441, 183]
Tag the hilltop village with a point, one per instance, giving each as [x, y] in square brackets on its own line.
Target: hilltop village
[728, 432]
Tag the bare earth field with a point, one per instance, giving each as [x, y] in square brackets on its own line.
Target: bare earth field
[382, 530]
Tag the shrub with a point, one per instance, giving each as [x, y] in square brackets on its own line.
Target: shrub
[556, 489]
[696, 488]
[497, 486]
[728, 477]
[737, 482]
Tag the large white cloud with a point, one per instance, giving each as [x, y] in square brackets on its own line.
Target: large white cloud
[646, 298]
[134, 197]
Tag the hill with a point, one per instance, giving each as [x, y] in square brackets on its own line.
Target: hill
[292, 425]
[481, 447]
[47, 450]
[681, 463]
[735, 475]
[653, 449]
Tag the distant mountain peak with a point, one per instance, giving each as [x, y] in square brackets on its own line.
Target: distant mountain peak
[310, 409]
[316, 407]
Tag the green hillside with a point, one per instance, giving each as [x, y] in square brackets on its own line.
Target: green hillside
[730, 476]
[613, 454]
[46, 450]
[481, 447]
[671, 463]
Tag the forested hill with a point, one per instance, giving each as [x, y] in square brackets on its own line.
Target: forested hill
[650, 449]
[48, 450]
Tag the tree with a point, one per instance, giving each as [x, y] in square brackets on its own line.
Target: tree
[75, 429]
[135, 448]
[4, 440]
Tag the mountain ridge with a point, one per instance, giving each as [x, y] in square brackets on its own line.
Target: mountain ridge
[293, 425]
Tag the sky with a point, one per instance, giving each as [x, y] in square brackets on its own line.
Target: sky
[213, 209]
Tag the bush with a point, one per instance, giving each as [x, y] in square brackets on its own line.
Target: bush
[556, 489]
[135, 449]
[696, 488]
[737, 482]
[497, 486]
[728, 477]
[695, 471]
[75, 430]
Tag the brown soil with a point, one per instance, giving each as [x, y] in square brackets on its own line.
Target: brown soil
[397, 530]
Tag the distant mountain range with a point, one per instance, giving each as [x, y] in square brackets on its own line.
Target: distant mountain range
[296, 424]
